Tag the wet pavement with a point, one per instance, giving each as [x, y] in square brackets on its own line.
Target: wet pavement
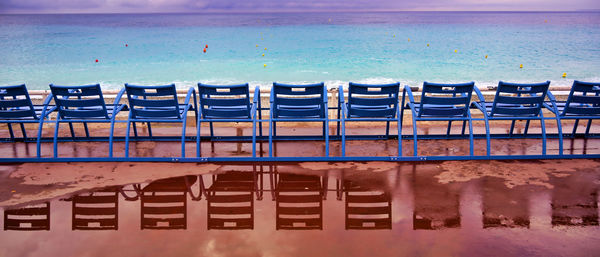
[470, 208]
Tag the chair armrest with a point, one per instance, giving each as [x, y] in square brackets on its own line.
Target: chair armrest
[551, 96]
[118, 98]
[256, 95]
[189, 95]
[408, 91]
[325, 96]
[272, 96]
[479, 94]
[340, 95]
[46, 104]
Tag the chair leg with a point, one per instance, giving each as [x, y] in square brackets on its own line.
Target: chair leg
[512, 128]
[587, 129]
[10, 131]
[274, 128]
[111, 138]
[55, 140]
[560, 135]
[87, 132]
[471, 144]
[38, 143]
[343, 124]
[387, 129]
[135, 132]
[182, 136]
[198, 130]
[72, 130]
[127, 138]
[212, 132]
[400, 136]
[462, 132]
[415, 137]
[575, 128]
[25, 132]
[526, 127]
[270, 138]
[543, 134]
[149, 129]
[325, 127]
[254, 138]
[449, 128]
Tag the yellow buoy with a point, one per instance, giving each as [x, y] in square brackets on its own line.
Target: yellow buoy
[393, 35]
[256, 45]
[265, 49]
[427, 44]
[409, 40]
[486, 56]
[263, 54]
[264, 65]
[564, 75]
[456, 51]
[521, 66]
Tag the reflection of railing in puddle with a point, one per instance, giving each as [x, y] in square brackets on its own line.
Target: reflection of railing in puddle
[574, 205]
[504, 207]
[299, 201]
[34, 217]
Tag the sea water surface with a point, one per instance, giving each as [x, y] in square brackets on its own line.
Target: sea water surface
[409, 47]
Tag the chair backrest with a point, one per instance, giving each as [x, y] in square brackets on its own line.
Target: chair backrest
[35, 217]
[513, 99]
[153, 102]
[370, 100]
[299, 101]
[445, 99]
[98, 210]
[230, 201]
[15, 103]
[79, 102]
[299, 202]
[230, 101]
[584, 99]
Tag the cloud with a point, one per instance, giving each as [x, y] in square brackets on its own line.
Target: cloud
[58, 6]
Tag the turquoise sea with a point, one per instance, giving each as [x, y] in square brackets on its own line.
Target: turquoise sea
[299, 47]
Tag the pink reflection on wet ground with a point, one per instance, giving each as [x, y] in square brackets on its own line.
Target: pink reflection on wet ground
[350, 209]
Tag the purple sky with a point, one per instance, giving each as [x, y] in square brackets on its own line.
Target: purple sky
[116, 6]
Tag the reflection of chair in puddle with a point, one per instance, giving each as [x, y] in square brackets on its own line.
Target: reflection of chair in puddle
[436, 205]
[97, 210]
[299, 202]
[574, 202]
[35, 217]
[230, 201]
[367, 208]
[504, 207]
[164, 203]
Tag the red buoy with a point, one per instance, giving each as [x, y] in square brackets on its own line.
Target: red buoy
[204, 50]
[126, 45]
[206, 46]
[96, 60]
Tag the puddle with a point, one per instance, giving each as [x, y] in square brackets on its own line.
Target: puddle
[533, 208]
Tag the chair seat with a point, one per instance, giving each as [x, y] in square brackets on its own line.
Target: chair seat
[445, 111]
[181, 112]
[230, 110]
[110, 109]
[38, 111]
[560, 106]
[489, 107]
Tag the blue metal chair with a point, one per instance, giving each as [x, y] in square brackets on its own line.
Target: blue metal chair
[16, 107]
[158, 104]
[514, 102]
[583, 102]
[228, 103]
[293, 103]
[370, 102]
[441, 102]
[84, 104]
